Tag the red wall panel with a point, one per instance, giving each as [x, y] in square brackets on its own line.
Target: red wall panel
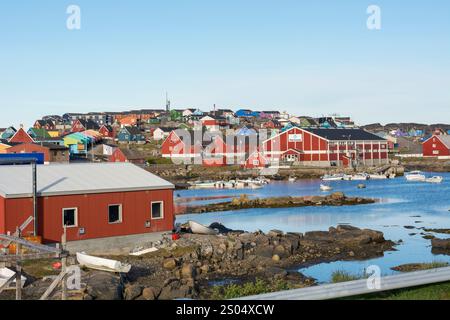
[93, 214]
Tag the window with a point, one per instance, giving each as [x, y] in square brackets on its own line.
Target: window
[157, 210]
[115, 213]
[436, 152]
[256, 162]
[70, 217]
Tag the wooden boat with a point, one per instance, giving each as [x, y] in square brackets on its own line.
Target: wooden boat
[6, 274]
[102, 264]
[325, 188]
[198, 228]
[435, 179]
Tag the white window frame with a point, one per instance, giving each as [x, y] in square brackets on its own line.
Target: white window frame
[162, 210]
[120, 213]
[76, 217]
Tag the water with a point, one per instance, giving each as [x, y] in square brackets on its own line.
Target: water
[401, 205]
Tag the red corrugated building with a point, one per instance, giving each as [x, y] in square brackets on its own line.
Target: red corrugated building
[92, 200]
[437, 146]
[21, 136]
[327, 147]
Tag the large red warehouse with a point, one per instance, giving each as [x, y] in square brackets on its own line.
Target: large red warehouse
[327, 147]
[92, 200]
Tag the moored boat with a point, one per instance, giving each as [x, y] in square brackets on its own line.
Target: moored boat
[325, 188]
[435, 179]
[102, 263]
[333, 177]
[198, 228]
[415, 176]
[360, 177]
[377, 177]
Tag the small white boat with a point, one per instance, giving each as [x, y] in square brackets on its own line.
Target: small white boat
[333, 177]
[325, 188]
[6, 274]
[435, 179]
[415, 176]
[392, 176]
[377, 177]
[292, 179]
[360, 177]
[347, 177]
[198, 228]
[102, 264]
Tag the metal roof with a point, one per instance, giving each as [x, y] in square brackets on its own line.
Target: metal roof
[346, 134]
[70, 179]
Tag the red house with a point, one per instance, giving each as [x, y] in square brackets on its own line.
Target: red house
[127, 155]
[91, 200]
[21, 136]
[327, 147]
[437, 146]
[106, 131]
[256, 160]
[29, 148]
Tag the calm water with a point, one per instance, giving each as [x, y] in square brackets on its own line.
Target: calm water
[402, 204]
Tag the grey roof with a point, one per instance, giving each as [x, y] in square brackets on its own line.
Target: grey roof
[70, 179]
[445, 140]
[346, 134]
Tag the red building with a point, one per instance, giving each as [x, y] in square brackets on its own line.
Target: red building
[21, 136]
[127, 155]
[327, 147]
[256, 160]
[91, 200]
[106, 131]
[29, 148]
[437, 146]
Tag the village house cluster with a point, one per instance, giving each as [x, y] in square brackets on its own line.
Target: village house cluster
[282, 138]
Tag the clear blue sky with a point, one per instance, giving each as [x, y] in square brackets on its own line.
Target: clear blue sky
[308, 57]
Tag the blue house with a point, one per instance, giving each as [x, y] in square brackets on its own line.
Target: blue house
[245, 131]
[130, 134]
[8, 133]
[246, 113]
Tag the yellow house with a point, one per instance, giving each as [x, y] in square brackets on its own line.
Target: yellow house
[3, 147]
[53, 133]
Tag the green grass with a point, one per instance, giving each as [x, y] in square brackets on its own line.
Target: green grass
[248, 289]
[344, 276]
[439, 291]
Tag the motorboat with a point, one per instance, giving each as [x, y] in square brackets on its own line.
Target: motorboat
[360, 177]
[415, 176]
[377, 177]
[198, 228]
[325, 188]
[6, 274]
[333, 177]
[292, 179]
[435, 179]
[102, 263]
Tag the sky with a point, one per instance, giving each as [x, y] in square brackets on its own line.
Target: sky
[307, 57]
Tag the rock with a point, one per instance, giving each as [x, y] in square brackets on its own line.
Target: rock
[188, 271]
[265, 251]
[150, 293]
[276, 258]
[275, 272]
[443, 244]
[338, 196]
[170, 264]
[205, 268]
[275, 233]
[344, 227]
[132, 292]
[104, 286]
[351, 254]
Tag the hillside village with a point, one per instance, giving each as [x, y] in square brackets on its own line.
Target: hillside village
[149, 136]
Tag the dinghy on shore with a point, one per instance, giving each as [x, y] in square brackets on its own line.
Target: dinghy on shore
[102, 264]
[5, 275]
[198, 228]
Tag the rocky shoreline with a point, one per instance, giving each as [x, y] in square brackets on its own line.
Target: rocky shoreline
[189, 267]
[244, 202]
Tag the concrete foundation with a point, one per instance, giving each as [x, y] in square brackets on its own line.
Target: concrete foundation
[114, 245]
